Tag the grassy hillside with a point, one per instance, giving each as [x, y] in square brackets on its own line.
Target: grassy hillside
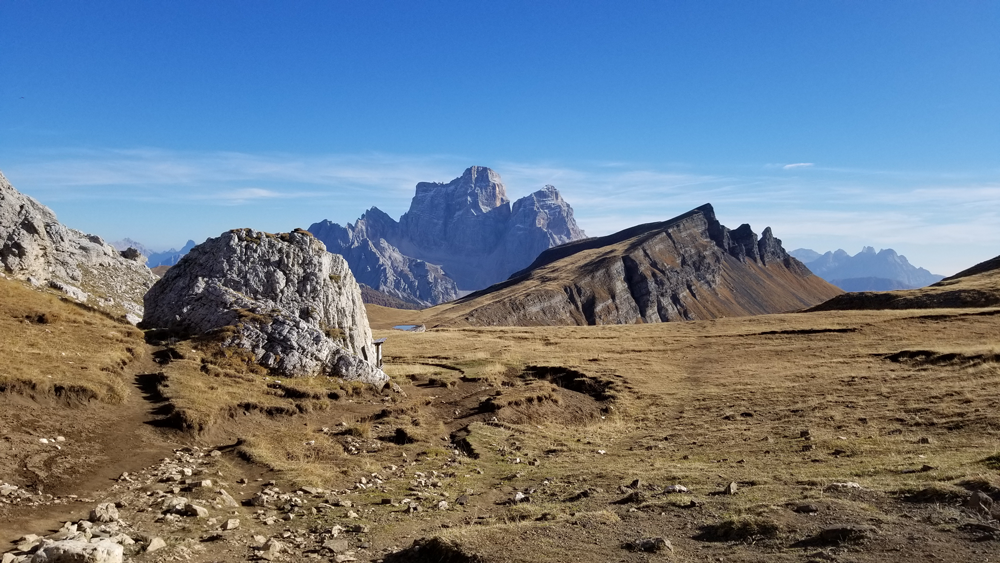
[376, 297]
[56, 349]
[855, 435]
[66, 371]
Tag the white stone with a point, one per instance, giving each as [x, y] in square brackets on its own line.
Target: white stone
[155, 543]
[845, 485]
[104, 512]
[195, 510]
[174, 504]
[74, 551]
[227, 500]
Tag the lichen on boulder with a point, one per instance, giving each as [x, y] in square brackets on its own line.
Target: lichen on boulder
[286, 300]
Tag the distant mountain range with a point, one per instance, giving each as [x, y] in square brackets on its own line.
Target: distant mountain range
[867, 270]
[978, 286]
[456, 237]
[154, 259]
[690, 267]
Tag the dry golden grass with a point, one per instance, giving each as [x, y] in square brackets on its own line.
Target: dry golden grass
[901, 402]
[293, 425]
[727, 400]
[734, 390]
[57, 349]
[209, 385]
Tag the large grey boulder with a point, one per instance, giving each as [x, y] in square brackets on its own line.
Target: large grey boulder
[456, 237]
[294, 306]
[38, 248]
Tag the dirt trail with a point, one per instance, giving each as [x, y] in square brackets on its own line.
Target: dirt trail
[112, 440]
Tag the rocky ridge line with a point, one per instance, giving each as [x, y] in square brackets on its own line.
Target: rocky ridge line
[688, 268]
[858, 271]
[39, 249]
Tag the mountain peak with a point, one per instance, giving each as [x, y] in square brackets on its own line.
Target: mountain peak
[479, 190]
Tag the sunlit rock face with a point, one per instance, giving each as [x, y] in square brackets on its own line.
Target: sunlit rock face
[283, 298]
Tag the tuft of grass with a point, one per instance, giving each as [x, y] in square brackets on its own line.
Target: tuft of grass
[936, 493]
[360, 429]
[992, 462]
[441, 382]
[334, 333]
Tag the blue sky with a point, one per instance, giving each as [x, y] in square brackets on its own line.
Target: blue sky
[839, 124]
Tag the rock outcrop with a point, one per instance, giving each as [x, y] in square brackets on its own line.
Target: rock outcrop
[688, 268]
[38, 248]
[294, 306]
[456, 237]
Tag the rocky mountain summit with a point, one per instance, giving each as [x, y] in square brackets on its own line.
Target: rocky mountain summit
[688, 268]
[456, 237]
[40, 249]
[292, 305]
[867, 270]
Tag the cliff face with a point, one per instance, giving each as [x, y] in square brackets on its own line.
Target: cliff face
[690, 267]
[466, 216]
[38, 248]
[458, 236]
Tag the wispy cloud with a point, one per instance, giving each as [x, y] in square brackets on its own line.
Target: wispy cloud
[797, 165]
[247, 195]
[146, 171]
